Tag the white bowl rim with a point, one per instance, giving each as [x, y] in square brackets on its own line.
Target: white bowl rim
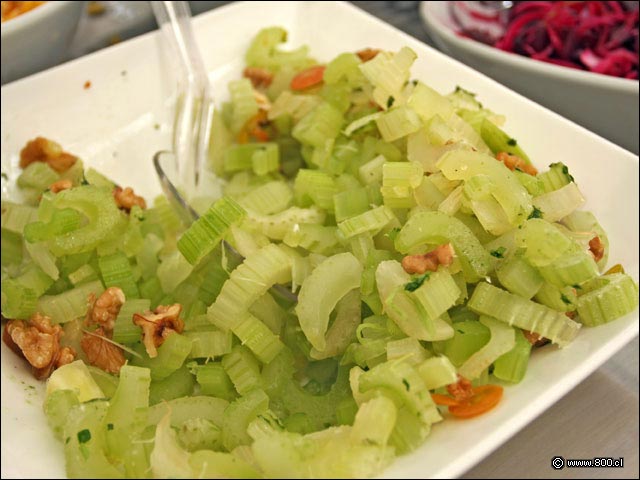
[588, 78]
[33, 15]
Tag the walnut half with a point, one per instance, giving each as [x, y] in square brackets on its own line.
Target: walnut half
[126, 199]
[105, 309]
[39, 343]
[101, 352]
[157, 325]
[42, 149]
[441, 255]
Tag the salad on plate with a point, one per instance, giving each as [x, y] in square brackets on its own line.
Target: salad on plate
[426, 256]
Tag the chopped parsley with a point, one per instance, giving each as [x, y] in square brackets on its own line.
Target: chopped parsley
[565, 299]
[406, 384]
[84, 436]
[109, 426]
[498, 252]
[416, 282]
[565, 170]
[393, 233]
[512, 142]
[5, 176]
[536, 213]
[390, 101]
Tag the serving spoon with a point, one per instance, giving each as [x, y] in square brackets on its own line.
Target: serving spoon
[192, 126]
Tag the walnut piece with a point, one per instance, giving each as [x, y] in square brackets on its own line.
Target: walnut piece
[101, 352]
[461, 390]
[367, 54]
[157, 325]
[60, 185]
[535, 339]
[441, 255]
[596, 248]
[126, 199]
[513, 162]
[39, 343]
[260, 77]
[105, 309]
[42, 149]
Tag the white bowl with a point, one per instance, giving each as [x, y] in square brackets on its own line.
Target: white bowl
[606, 105]
[38, 39]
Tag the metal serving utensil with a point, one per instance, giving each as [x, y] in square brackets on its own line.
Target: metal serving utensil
[192, 127]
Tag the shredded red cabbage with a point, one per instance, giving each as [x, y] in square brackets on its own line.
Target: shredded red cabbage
[601, 37]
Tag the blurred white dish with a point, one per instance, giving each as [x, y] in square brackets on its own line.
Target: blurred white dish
[118, 124]
[38, 39]
[604, 104]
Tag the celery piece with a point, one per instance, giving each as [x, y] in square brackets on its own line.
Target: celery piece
[15, 216]
[469, 337]
[124, 330]
[85, 273]
[437, 228]
[264, 51]
[556, 177]
[322, 290]
[559, 203]
[512, 366]
[42, 256]
[185, 408]
[258, 338]
[206, 232]
[501, 341]
[171, 355]
[312, 186]
[177, 385]
[342, 331]
[74, 376]
[562, 299]
[517, 276]
[93, 177]
[62, 221]
[398, 123]
[11, 245]
[242, 368]
[615, 298]
[57, 405]
[213, 380]
[212, 464]
[498, 141]
[199, 434]
[322, 123]
[34, 278]
[239, 414]
[116, 272]
[341, 67]
[407, 349]
[581, 221]
[209, 344]
[370, 221]
[523, 313]
[107, 382]
[69, 305]
[272, 197]
[437, 372]
[37, 175]
[243, 101]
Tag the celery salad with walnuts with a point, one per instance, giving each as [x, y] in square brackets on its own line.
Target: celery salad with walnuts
[426, 259]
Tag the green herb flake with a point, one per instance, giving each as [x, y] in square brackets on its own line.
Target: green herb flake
[109, 426]
[498, 252]
[565, 170]
[565, 299]
[393, 233]
[536, 213]
[512, 142]
[84, 436]
[390, 101]
[407, 385]
[5, 176]
[416, 282]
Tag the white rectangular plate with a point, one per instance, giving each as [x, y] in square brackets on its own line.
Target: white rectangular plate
[125, 116]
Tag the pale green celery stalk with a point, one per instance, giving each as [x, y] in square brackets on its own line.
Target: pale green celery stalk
[453, 202]
[501, 341]
[223, 139]
[388, 73]
[214, 381]
[243, 369]
[499, 141]
[272, 197]
[617, 297]
[209, 344]
[436, 228]
[342, 331]
[241, 157]
[470, 336]
[314, 187]
[427, 194]
[407, 349]
[370, 221]
[321, 291]
[179, 384]
[108, 383]
[198, 434]
[517, 276]
[247, 283]
[397, 123]
[243, 101]
[37, 175]
[211, 464]
[341, 67]
[297, 106]
[371, 171]
[543, 242]
[84, 442]
[34, 278]
[69, 305]
[267, 310]
[165, 215]
[556, 177]
[559, 203]
[338, 95]
[362, 246]
[83, 274]
[185, 408]
[16, 216]
[239, 414]
[572, 269]
[523, 313]
[264, 51]
[277, 225]
[168, 459]
[105, 220]
[126, 418]
[266, 160]
[350, 203]
[403, 308]
[428, 103]
[254, 334]
[115, 270]
[437, 372]
[443, 184]
[421, 150]
[93, 177]
[361, 122]
[147, 257]
[512, 366]
[374, 421]
[206, 232]
[582, 221]
[313, 238]
[532, 183]
[507, 190]
[173, 269]
[171, 355]
[56, 407]
[322, 123]
[11, 245]
[561, 299]
[436, 295]
[74, 376]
